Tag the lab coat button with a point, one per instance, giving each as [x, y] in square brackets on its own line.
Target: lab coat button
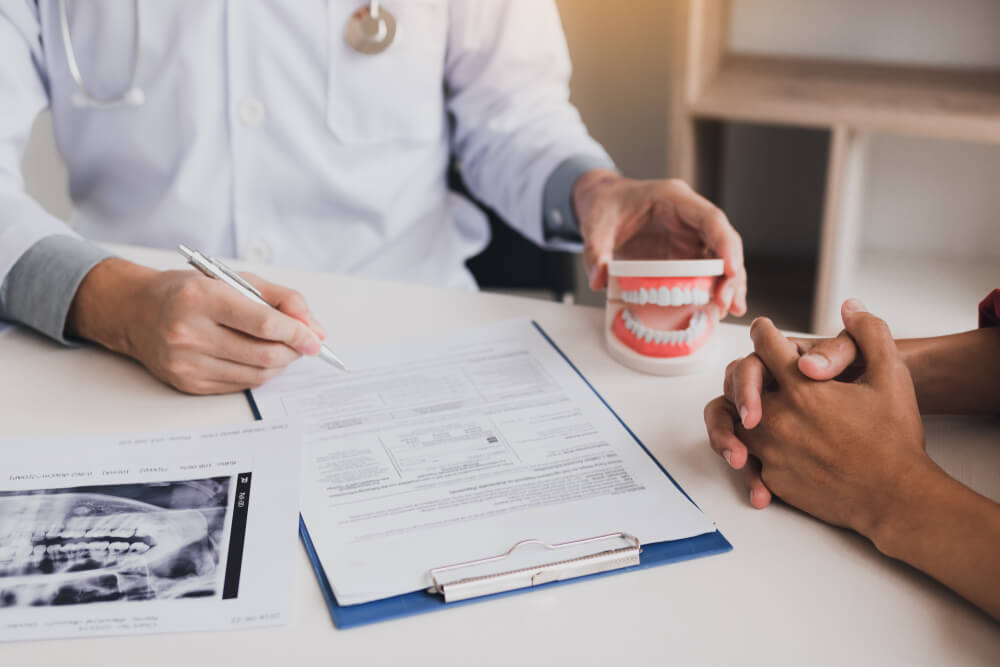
[252, 112]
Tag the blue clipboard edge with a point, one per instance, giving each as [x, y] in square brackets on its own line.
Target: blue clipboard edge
[418, 602]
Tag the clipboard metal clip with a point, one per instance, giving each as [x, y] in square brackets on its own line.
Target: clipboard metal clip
[459, 587]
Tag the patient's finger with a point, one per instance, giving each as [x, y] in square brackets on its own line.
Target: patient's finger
[827, 358]
[760, 495]
[745, 381]
[779, 354]
[720, 420]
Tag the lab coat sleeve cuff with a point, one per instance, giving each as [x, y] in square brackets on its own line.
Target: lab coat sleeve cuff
[40, 288]
[559, 222]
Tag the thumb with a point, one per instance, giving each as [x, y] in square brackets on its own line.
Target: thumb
[288, 301]
[826, 359]
[874, 340]
[597, 252]
[600, 229]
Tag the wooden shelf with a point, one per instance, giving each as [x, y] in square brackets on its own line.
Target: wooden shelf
[942, 103]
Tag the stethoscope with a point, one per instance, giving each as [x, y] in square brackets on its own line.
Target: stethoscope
[370, 30]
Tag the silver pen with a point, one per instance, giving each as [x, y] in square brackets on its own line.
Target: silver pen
[214, 268]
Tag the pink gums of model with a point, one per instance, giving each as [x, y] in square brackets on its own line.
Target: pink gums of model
[658, 312]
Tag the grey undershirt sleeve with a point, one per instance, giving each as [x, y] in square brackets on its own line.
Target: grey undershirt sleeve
[39, 289]
[559, 220]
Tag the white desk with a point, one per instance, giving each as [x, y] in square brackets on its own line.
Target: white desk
[793, 591]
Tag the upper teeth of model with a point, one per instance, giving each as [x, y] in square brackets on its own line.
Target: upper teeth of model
[666, 296]
[697, 325]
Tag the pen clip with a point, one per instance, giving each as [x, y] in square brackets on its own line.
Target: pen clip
[235, 276]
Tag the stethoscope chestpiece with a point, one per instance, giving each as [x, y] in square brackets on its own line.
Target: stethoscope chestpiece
[371, 29]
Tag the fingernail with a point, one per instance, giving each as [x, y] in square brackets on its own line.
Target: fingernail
[751, 496]
[743, 415]
[855, 306]
[728, 455]
[727, 294]
[818, 360]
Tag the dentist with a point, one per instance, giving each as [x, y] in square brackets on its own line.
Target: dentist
[313, 134]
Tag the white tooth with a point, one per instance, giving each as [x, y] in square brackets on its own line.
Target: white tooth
[647, 335]
[628, 296]
[118, 547]
[122, 533]
[676, 296]
[138, 548]
[643, 296]
[688, 298]
[38, 551]
[6, 553]
[702, 297]
[664, 294]
[658, 337]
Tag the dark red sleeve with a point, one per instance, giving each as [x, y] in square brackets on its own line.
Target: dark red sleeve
[989, 310]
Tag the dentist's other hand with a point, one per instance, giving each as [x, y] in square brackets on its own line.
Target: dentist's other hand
[662, 219]
[192, 332]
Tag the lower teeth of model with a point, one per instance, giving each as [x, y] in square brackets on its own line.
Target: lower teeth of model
[698, 323]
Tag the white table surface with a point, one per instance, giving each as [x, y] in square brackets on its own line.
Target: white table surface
[793, 591]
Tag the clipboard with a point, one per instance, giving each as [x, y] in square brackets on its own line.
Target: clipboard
[451, 589]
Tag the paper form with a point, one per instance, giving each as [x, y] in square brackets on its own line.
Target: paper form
[181, 532]
[427, 455]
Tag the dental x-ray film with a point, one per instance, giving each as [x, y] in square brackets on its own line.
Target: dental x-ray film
[147, 534]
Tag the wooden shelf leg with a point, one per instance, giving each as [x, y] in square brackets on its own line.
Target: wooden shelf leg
[840, 228]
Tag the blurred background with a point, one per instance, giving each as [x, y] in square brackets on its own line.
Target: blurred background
[875, 179]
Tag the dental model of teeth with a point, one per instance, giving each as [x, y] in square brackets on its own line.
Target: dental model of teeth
[658, 317]
[699, 321]
[667, 296]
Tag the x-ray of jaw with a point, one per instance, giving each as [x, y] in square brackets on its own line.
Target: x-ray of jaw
[124, 542]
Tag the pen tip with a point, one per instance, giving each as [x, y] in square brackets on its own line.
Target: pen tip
[329, 357]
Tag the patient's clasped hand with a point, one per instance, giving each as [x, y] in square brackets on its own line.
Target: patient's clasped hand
[833, 427]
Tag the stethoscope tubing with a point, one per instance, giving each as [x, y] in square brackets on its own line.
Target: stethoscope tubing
[133, 95]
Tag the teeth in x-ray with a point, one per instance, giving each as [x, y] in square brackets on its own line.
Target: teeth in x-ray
[81, 537]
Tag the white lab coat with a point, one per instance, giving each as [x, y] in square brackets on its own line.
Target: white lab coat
[264, 136]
